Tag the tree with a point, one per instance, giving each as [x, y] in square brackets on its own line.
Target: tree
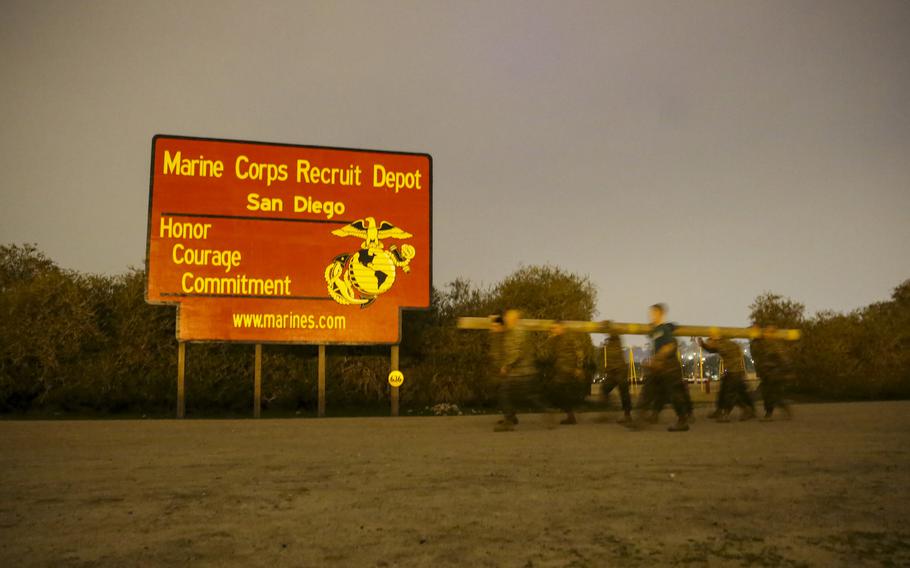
[446, 364]
[774, 309]
[74, 341]
[826, 360]
[48, 325]
[22, 264]
[884, 348]
[548, 292]
[861, 354]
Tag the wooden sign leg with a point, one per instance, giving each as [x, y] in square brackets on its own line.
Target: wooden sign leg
[321, 411]
[181, 374]
[257, 382]
[395, 389]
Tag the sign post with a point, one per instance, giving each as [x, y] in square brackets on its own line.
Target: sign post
[257, 381]
[181, 374]
[392, 380]
[321, 387]
[276, 243]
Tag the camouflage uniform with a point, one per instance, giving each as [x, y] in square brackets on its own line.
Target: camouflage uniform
[569, 384]
[615, 374]
[665, 374]
[517, 372]
[771, 365]
[664, 381]
[733, 390]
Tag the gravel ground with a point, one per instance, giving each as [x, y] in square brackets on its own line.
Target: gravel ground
[830, 488]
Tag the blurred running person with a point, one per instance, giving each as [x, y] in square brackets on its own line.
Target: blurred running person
[773, 369]
[494, 347]
[517, 371]
[569, 384]
[733, 390]
[664, 381]
[616, 376]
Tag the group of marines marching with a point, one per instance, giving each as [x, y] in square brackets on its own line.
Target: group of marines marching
[514, 361]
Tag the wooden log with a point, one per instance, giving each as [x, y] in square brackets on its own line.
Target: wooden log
[624, 328]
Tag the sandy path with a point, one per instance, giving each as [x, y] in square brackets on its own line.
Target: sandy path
[830, 488]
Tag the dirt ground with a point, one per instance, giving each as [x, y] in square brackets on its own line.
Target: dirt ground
[831, 488]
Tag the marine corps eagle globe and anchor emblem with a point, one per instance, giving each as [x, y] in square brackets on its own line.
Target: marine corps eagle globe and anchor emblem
[358, 278]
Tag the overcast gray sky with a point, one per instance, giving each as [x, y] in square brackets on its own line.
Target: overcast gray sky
[697, 153]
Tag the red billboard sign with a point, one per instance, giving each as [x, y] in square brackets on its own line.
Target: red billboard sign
[262, 242]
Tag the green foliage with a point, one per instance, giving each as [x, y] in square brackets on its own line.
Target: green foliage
[826, 360]
[548, 292]
[447, 365]
[443, 364]
[77, 342]
[885, 351]
[48, 324]
[20, 264]
[773, 309]
[862, 354]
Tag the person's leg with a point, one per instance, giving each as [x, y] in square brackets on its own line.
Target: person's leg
[606, 388]
[524, 390]
[745, 395]
[731, 392]
[690, 408]
[677, 392]
[772, 398]
[720, 403]
[783, 402]
[662, 395]
[507, 404]
[645, 403]
[743, 398]
[646, 396]
[626, 400]
[559, 395]
[531, 394]
[767, 397]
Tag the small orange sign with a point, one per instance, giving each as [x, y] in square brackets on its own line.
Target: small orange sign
[260, 242]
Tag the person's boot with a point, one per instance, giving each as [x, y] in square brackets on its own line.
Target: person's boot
[682, 425]
[626, 418]
[716, 414]
[569, 419]
[512, 418]
[723, 417]
[768, 417]
[504, 426]
[747, 414]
